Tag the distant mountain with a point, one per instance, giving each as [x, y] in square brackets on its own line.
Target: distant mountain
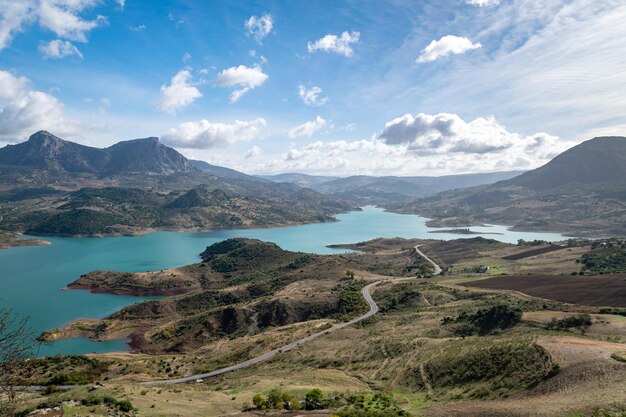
[50, 186]
[598, 161]
[218, 171]
[141, 156]
[582, 192]
[303, 180]
[388, 190]
[44, 151]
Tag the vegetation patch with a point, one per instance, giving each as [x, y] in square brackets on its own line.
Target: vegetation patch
[481, 369]
[580, 321]
[483, 322]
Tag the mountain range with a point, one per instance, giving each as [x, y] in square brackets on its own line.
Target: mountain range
[580, 192]
[49, 186]
[383, 191]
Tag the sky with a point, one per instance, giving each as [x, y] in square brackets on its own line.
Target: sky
[367, 87]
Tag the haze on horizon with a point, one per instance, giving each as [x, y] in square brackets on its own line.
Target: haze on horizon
[384, 88]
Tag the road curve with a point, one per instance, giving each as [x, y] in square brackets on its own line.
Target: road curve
[437, 267]
[365, 291]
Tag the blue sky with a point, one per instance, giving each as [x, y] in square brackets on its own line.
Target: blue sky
[344, 87]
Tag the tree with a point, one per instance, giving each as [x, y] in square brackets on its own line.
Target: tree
[313, 399]
[259, 401]
[16, 344]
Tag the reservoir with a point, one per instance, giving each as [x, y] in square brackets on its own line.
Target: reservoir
[32, 277]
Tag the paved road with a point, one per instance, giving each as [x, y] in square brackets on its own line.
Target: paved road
[437, 267]
[365, 291]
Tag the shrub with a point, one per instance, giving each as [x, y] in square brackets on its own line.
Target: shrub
[484, 321]
[579, 321]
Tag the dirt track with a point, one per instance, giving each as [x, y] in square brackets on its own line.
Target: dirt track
[601, 290]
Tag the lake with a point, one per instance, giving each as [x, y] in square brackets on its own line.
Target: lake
[32, 278]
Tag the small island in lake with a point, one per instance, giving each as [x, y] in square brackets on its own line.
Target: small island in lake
[463, 231]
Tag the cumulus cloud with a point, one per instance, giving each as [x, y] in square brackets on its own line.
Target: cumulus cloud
[178, 94]
[307, 128]
[62, 17]
[59, 16]
[447, 45]
[24, 110]
[58, 49]
[121, 3]
[245, 77]
[341, 45]
[483, 3]
[424, 145]
[311, 96]
[446, 133]
[259, 27]
[204, 134]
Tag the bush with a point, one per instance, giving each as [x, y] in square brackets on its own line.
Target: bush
[579, 321]
[484, 321]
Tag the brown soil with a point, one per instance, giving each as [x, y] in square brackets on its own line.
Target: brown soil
[601, 290]
[533, 252]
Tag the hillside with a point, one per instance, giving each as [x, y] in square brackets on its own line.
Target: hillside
[581, 192]
[241, 287]
[383, 191]
[49, 186]
[437, 346]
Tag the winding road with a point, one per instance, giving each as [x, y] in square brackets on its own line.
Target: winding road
[365, 292]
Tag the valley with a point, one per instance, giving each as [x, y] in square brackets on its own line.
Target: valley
[407, 349]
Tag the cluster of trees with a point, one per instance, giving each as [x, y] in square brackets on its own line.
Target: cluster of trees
[536, 242]
[278, 399]
[484, 321]
[355, 405]
[581, 321]
[606, 262]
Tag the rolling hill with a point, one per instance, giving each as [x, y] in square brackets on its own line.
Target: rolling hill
[387, 190]
[580, 192]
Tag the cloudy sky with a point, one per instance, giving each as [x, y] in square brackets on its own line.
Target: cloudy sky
[384, 87]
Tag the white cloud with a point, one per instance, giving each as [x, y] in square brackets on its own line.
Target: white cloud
[423, 145]
[311, 96]
[445, 134]
[186, 57]
[341, 45]
[24, 110]
[557, 75]
[252, 152]
[59, 49]
[203, 134]
[245, 77]
[121, 3]
[483, 3]
[59, 16]
[447, 45]
[139, 28]
[259, 27]
[178, 94]
[62, 18]
[307, 128]
[13, 16]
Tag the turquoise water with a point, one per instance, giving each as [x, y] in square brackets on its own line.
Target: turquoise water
[31, 278]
